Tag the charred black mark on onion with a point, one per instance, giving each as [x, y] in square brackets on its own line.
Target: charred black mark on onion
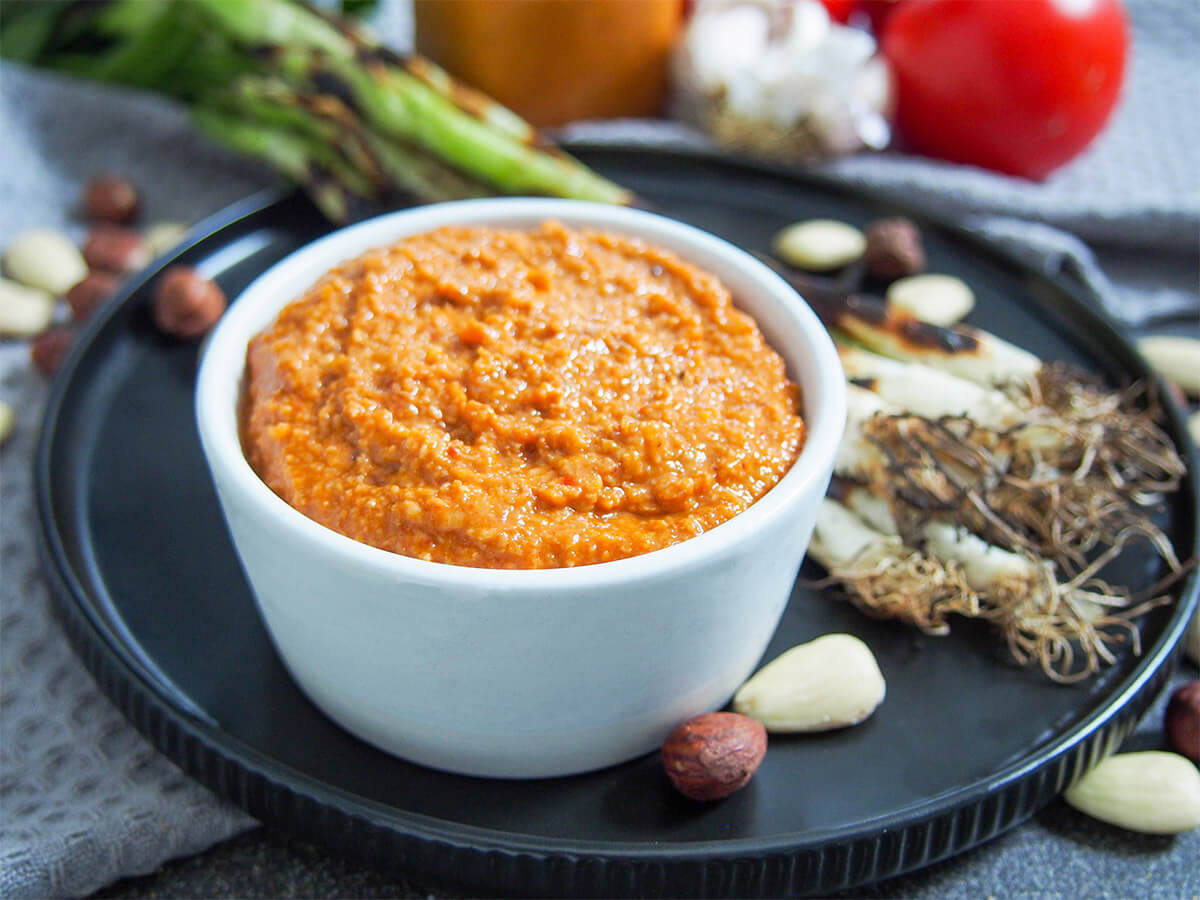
[947, 340]
[867, 308]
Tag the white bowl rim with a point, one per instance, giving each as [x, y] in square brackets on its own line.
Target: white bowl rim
[222, 445]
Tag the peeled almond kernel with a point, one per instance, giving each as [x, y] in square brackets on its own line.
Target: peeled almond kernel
[936, 299]
[1175, 358]
[1153, 791]
[163, 236]
[8, 419]
[45, 259]
[24, 311]
[830, 682]
[819, 245]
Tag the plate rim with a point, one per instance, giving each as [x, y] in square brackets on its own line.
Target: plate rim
[207, 752]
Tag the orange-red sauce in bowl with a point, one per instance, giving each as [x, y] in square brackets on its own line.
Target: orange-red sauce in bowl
[518, 398]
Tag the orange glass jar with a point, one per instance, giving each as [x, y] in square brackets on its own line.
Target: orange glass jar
[555, 61]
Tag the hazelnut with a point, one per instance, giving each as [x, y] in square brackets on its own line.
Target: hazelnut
[111, 198]
[186, 304]
[710, 756]
[894, 249]
[1182, 720]
[50, 348]
[90, 293]
[114, 248]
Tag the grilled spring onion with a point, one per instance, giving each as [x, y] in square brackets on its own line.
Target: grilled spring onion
[1012, 521]
[1119, 427]
[1061, 512]
[927, 391]
[1042, 618]
[964, 351]
[978, 461]
[886, 578]
[315, 96]
[1034, 458]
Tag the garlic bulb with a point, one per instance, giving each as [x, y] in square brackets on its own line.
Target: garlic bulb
[778, 78]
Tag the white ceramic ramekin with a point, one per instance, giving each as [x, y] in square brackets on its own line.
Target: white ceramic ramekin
[521, 673]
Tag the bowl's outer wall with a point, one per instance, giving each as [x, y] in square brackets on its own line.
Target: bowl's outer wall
[516, 683]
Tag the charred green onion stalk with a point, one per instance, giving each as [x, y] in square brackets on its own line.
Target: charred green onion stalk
[974, 480]
[315, 96]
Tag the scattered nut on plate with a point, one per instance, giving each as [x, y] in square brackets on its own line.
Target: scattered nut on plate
[819, 245]
[24, 311]
[162, 236]
[1175, 357]
[830, 682]
[710, 756]
[8, 420]
[117, 249]
[90, 293]
[111, 198]
[894, 249]
[1182, 720]
[45, 259]
[1151, 791]
[51, 347]
[185, 303]
[936, 299]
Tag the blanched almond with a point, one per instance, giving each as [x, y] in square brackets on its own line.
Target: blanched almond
[24, 311]
[163, 236]
[1175, 358]
[819, 245]
[936, 299]
[831, 682]
[8, 419]
[45, 259]
[1152, 791]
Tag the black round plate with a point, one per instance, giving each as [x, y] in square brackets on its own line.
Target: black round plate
[965, 746]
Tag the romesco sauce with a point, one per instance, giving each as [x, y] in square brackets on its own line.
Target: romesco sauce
[518, 399]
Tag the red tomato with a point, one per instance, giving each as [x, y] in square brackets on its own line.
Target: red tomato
[1019, 86]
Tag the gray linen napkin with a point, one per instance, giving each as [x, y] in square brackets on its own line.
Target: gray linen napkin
[84, 800]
